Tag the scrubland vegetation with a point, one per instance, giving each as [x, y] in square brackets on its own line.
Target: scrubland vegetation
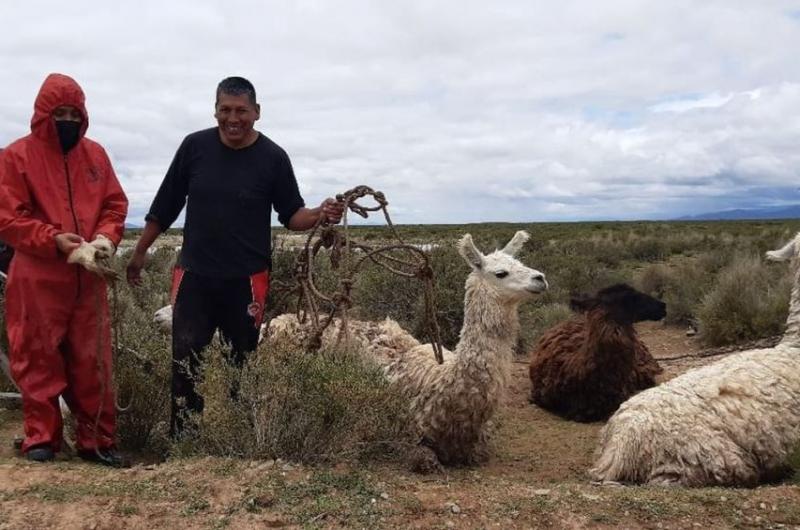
[332, 405]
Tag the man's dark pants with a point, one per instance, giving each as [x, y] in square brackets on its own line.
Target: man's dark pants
[201, 306]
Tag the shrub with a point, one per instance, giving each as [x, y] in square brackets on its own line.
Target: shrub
[749, 301]
[647, 249]
[303, 407]
[537, 319]
[681, 286]
[450, 273]
[142, 356]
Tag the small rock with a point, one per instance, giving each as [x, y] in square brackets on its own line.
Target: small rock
[385, 496]
[455, 508]
[762, 506]
[541, 492]
[450, 524]
[150, 467]
[590, 497]
[372, 500]
[723, 498]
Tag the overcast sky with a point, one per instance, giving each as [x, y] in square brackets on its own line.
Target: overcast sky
[459, 111]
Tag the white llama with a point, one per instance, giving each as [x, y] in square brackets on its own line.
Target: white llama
[731, 423]
[452, 403]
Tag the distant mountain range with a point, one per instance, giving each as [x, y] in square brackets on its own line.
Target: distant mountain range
[777, 212]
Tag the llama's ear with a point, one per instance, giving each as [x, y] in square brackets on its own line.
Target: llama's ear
[515, 245]
[786, 253]
[470, 252]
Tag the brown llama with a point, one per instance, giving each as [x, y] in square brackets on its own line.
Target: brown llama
[584, 368]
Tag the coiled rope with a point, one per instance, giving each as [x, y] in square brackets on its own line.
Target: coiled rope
[348, 256]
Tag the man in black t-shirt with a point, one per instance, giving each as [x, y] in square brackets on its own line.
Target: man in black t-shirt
[229, 178]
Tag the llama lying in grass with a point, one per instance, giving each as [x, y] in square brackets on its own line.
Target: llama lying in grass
[584, 368]
[731, 423]
[163, 319]
[381, 342]
[452, 403]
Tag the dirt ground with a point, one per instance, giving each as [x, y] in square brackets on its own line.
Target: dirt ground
[535, 480]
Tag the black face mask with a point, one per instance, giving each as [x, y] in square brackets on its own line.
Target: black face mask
[69, 132]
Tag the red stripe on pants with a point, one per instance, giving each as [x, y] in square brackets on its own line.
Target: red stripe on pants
[259, 286]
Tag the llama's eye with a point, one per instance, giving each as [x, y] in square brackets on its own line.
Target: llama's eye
[501, 274]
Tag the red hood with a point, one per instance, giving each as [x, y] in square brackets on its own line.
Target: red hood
[57, 90]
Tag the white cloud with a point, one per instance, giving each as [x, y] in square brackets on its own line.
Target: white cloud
[458, 111]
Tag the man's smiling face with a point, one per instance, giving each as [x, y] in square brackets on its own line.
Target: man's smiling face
[236, 116]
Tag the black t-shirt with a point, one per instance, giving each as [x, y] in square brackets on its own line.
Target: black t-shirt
[229, 195]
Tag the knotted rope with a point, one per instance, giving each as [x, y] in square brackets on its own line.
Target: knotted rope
[349, 255]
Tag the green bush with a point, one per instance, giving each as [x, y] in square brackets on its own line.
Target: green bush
[450, 274]
[142, 356]
[681, 286]
[749, 301]
[535, 319]
[309, 408]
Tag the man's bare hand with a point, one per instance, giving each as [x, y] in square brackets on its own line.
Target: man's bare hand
[134, 270]
[332, 210]
[66, 242]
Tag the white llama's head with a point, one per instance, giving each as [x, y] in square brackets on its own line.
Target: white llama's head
[501, 270]
[789, 251]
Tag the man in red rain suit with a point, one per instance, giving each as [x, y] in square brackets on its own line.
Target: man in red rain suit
[58, 194]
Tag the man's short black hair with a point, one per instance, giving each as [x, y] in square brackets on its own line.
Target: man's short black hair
[236, 86]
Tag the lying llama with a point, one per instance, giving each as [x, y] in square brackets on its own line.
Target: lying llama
[451, 403]
[731, 423]
[163, 319]
[382, 342]
[584, 368]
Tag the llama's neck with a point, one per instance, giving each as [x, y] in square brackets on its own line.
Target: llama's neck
[490, 331]
[791, 336]
[607, 341]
